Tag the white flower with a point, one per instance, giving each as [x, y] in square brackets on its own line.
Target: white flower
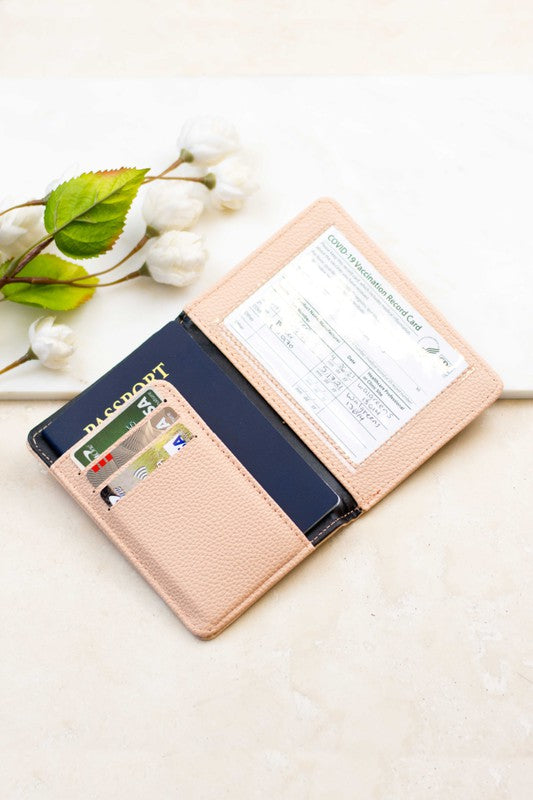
[20, 229]
[52, 344]
[234, 184]
[170, 206]
[208, 139]
[176, 257]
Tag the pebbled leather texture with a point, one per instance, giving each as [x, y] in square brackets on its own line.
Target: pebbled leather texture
[200, 529]
[425, 433]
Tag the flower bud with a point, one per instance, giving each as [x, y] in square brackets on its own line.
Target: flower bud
[20, 229]
[170, 206]
[234, 183]
[175, 257]
[208, 139]
[52, 344]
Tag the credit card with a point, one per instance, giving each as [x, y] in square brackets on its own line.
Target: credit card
[167, 446]
[136, 410]
[141, 436]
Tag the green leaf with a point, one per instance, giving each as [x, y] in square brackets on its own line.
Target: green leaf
[86, 215]
[57, 297]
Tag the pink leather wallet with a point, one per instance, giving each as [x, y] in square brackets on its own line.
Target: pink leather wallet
[352, 360]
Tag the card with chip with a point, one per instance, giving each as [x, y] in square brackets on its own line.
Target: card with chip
[123, 481]
[137, 409]
[140, 437]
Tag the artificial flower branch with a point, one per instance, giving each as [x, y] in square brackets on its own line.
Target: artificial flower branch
[22, 360]
[150, 232]
[44, 281]
[50, 343]
[41, 202]
[77, 221]
[184, 158]
[209, 180]
[19, 263]
[135, 274]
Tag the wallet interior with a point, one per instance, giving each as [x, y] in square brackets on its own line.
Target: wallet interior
[234, 411]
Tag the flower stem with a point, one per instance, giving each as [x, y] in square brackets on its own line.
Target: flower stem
[19, 263]
[140, 244]
[208, 180]
[41, 202]
[42, 280]
[173, 178]
[128, 277]
[32, 252]
[22, 360]
[184, 157]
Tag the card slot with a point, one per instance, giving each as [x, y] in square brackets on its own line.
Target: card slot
[98, 487]
[149, 477]
[84, 471]
[134, 404]
[200, 530]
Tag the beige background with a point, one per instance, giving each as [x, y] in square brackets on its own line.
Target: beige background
[178, 37]
[395, 664]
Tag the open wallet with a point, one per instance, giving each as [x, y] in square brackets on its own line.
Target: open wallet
[281, 405]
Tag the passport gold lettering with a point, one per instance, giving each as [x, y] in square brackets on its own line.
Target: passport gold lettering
[160, 369]
[157, 372]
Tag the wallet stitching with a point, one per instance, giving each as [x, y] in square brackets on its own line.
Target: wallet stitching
[44, 455]
[249, 599]
[229, 455]
[335, 522]
[300, 554]
[172, 391]
[348, 475]
[254, 255]
[221, 334]
[404, 282]
[259, 490]
[369, 243]
[303, 551]
[146, 572]
[440, 441]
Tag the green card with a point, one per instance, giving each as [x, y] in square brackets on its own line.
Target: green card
[99, 444]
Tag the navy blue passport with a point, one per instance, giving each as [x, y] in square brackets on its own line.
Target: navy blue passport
[230, 406]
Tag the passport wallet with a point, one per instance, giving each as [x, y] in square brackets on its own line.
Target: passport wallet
[313, 378]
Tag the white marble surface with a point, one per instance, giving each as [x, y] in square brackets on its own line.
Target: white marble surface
[437, 170]
[395, 664]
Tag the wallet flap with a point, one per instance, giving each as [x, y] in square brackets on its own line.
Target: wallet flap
[375, 393]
